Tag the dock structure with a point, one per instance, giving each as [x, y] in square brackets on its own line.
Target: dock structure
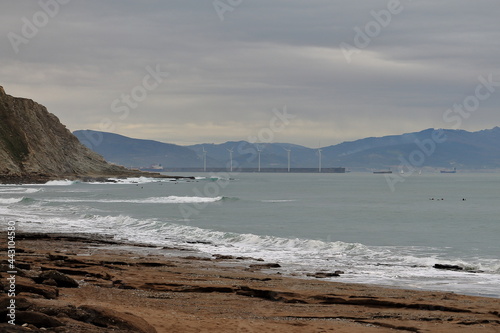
[262, 170]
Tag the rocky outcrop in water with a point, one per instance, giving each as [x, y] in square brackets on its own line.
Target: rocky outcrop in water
[36, 147]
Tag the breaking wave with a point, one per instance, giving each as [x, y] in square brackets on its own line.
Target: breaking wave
[9, 201]
[153, 200]
[18, 190]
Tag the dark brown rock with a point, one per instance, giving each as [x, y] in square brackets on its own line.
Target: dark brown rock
[45, 291]
[8, 328]
[50, 282]
[22, 303]
[449, 267]
[323, 275]
[265, 266]
[223, 257]
[23, 265]
[37, 319]
[62, 280]
[103, 317]
[54, 257]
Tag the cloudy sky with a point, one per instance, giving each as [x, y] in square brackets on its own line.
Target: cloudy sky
[195, 71]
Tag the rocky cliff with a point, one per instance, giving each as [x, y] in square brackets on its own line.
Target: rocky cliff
[36, 147]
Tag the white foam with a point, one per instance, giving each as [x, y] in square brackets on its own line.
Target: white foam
[177, 199]
[59, 183]
[161, 200]
[32, 190]
[9, 201]
[213, 178]
[9, 190]
[135, 180]
[394, 266]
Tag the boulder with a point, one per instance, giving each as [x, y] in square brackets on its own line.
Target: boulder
[108, 318]
[46, 291]
[8, 328]
[22, 303]
[62, 280]
[449, 267]
[37, 319]
[265, 266]
[323, 275]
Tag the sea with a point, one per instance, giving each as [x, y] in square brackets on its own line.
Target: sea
[354, 222]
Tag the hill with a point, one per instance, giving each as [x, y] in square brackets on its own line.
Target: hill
[130, 152]
[36, 147]
[456, 148]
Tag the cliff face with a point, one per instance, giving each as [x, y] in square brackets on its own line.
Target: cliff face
[35, 146]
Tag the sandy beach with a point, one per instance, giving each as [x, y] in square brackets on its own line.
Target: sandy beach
[94, 284]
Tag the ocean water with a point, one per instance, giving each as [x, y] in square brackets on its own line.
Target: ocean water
[305, 222]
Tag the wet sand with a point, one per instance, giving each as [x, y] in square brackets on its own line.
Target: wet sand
[131, 288]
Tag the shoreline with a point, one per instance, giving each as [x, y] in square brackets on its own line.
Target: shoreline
[285, 269]
[130, 286]
[36, 179]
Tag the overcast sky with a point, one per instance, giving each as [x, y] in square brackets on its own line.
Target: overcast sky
[343, 69]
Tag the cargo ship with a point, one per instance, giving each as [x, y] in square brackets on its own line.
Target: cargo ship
[382, 172]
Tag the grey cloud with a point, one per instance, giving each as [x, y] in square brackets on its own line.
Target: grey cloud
[226, 77]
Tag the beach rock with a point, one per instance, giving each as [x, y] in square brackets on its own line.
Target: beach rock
[37, 319]
[50, 282]
[323, 275]
[121, 285]
[8, 328]
[61, 279]
[45, 291]
[23, 265]
[265, 266]
[197, 258]
[449, 267]
[22, 303]
[63, 312]
[54, 257]
[4, 267]
[223, 257]
[154, 264]
[104, 317]
[18, 250]
[27, 274]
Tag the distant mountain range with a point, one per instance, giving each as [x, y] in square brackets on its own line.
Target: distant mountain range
[428, 148]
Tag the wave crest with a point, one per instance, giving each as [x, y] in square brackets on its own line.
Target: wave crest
[9, 201]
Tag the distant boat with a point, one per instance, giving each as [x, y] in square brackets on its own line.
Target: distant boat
[154, 167]
[449, 171]
[382, 171]
[157, 167]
